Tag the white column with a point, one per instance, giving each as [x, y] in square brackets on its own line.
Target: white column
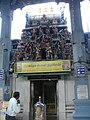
[23, 86]
[61, 100]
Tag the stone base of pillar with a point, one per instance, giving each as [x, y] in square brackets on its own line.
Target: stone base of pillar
[82, 110]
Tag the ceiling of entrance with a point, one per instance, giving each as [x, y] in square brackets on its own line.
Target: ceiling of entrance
[21, 3]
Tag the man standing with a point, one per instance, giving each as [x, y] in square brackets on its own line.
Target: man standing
[13, 106]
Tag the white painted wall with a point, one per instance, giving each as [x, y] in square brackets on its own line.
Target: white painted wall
[22, 85]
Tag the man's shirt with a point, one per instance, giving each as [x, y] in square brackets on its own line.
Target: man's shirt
[13, 107]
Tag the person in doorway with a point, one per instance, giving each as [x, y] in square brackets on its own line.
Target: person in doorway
[13, 107]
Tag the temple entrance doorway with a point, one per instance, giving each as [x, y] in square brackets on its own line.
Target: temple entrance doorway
[47, 90]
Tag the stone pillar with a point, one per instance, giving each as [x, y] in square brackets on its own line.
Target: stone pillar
[82, 98]
[5, 43]
[61, 100]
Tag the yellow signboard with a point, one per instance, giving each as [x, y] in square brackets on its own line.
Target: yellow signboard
[42, 66]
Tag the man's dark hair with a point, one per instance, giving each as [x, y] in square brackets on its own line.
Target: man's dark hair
[16, 94]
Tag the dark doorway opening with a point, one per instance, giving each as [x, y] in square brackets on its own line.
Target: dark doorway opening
[43, 53]
[47, 91]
